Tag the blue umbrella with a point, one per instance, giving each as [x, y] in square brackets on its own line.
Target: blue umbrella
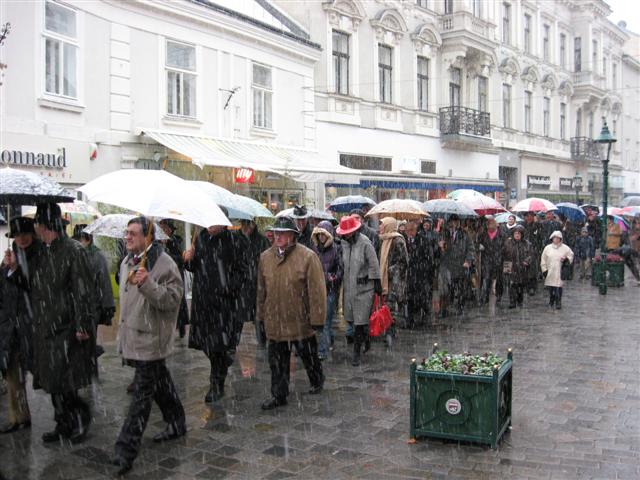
[350, 202]
[572, 211]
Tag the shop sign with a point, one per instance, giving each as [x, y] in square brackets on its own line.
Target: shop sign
[537, 182]
[566, 183]
[34, 160]
[244, 175]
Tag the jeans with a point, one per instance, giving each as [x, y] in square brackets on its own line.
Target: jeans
[327, 333]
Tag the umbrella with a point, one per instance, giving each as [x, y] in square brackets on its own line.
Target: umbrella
[620, 221]
[400, 209]
[464, 193]
[155, 193]
[631, 211]
[253, 207]
[587, 207]
[224, 198]
[572, 211]
[19, 187]
[632, 201]
[2, 220]
[445, 207]
[313, 213]
[482, 204]
[350, 202]
[534, 205]
[75, 212]
[114, 226]
[504, 217]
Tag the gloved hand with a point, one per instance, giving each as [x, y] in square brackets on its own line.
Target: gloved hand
[544, 274]
[377, 286]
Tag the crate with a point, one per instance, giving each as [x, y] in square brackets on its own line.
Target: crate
[472, 408]
[613, 270]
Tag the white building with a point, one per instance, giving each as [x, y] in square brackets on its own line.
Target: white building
[630, 136]
[111, 84]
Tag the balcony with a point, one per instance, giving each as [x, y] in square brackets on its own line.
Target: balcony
[584, 149]
[463, 29]
[461, 126]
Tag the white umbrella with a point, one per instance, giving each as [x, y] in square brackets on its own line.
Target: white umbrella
[114, 226]
[155, 193]
[255, 208]
[399, 208]
[223, 198]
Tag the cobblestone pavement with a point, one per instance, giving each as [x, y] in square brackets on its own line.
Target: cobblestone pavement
[575, 407]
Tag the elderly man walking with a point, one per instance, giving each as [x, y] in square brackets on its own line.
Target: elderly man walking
[292, 303]
[150, 294]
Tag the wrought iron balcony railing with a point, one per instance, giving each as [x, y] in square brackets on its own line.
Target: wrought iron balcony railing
[464, 121]
[584, 149]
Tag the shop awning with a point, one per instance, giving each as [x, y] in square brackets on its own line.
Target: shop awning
[426, 184]
[299, 164]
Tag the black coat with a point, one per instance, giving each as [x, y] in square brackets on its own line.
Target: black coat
[174, 247]
[256, 243]
[305, 236]
[458, 249]
[491, 251]
[423, 251]
[547, 227]
[519, 253]
[220, 272]
[373, 236]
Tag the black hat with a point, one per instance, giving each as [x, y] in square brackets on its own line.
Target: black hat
[300, 211]
[20, 225]
[78, 233]
[285, 224]
[50, 215]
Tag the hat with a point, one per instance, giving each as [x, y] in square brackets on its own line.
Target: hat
[285, 224]
[326, 225]
[348, 224]
[357, 211]
[78, 231]
[50, 215]
[518, 228]
[20, 225]
[299, 212]
[555, 234]
[584, 230]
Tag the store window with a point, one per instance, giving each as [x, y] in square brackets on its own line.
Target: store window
[61, 50]
[262, 89]
[180, 65]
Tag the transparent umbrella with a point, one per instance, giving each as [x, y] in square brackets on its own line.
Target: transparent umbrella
[114, 226]
[400, 209]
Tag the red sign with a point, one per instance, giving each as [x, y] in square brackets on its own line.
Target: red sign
[244, 175]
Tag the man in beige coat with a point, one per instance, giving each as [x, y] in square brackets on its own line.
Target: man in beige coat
[292, 303]
[150, 294]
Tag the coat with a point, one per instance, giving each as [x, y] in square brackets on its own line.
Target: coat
[220, 272]
[398, 261]
[330, 255]
[173, 247]
[533, 235]
[256, 244]
[551, 262]
[62, 294]
[423, 251]
[585, 247]
[291, 296]
[520, 254]
[491, 252]
[456, 251]
[547, 227]
[361, 268]
[148, 313]
[373, 237]
[104, 293]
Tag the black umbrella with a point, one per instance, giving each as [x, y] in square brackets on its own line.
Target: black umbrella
[19, 187]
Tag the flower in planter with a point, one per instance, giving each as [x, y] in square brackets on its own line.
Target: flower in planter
[465, 363]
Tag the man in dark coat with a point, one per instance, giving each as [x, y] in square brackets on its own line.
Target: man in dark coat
[174, 246]
[490, 243]
[62, 294]
[548, 226]
[456, 258]
[422, 252]
[301, 217]
[533, 235]
[219, 268]
[16, 323]
[366, 230]
[517, 261]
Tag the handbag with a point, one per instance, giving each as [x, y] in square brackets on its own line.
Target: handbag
[565, 270]
[380, 319]
[507, 267]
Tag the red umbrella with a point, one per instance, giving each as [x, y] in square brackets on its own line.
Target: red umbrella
[534, 205]
[482, 204]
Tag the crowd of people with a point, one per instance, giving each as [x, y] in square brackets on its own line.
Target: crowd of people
[288, 282]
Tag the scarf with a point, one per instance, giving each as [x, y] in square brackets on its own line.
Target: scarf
[491, 234]
[389, 232]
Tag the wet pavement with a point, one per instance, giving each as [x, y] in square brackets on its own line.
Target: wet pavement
[575, 407]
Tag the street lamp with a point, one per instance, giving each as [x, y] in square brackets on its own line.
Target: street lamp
[577, 184]
[605, 138]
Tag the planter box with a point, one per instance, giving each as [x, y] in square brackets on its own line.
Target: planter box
[473, 408]
[613, 270]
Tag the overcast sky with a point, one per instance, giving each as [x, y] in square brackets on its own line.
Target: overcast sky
[627, 10]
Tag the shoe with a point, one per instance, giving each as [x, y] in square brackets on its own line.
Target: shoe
[131, 387]
[322, 358]
[272, 403]
[99, 351]
[315, 390]
[558, 306]
[367, 345]
[355, 361]
[14, 427]
[170, 433]
[388, 339]
[78, 435]
[123, 465]
[53, 436]
[214, 395]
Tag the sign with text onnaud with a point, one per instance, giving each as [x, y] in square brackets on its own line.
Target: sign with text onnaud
[244, 175]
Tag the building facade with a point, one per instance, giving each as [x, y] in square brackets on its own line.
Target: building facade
[630, 137]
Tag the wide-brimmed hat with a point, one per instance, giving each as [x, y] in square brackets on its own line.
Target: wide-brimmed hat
[555, 234]
[285, 224]
[50, 215]
[348, 224]
[20, 225]
[299, 212]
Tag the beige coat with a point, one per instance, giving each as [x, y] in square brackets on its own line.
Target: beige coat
[148, 314]
[551, 262]
[291, 293]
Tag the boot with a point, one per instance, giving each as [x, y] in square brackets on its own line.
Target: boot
[216, 392]
[367, 344]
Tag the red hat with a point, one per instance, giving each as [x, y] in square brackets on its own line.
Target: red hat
[348, 224]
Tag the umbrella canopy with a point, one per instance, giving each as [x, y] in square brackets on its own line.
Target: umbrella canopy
[633, 201]
[114, 226]
[504, 217]
[313, 213]
[619, 221]
[482, 204]
[534, 205]
[400, 209]
[2, 220]
[224, 198]
[252, 207]
[75, 212]
[156, 193]
[587, 207]
[631, 211]
[350, 202]
[464, 193]
[18, 187]
[572, 211]
[445, 207]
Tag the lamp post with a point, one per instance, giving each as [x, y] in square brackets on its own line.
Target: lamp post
[577, 184]
[605, 138]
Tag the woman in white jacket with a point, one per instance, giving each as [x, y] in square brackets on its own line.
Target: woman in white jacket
[551, 261]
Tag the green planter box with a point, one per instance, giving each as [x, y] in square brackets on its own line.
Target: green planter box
[613, 270]
[473, 408]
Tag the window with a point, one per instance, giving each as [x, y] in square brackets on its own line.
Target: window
[262, 88]
[448, 7]
[482, 94]
[527, 33]
[546, 107]
[427, 167]
[577, 54]
[614, 76]
[423, 83]
[545, 42]
[341, 62]
[590, 124]
[563, 50]
[454, 87]
[527, 111]
[506, 106]
[604, 68]
[61, 50]
[477, 8]
[506, 23]
[422, 3]
[364, 162]
[385, 69]
[579, 122]
[181, 79]
[563, 119]
[594, 56]
[614, 127]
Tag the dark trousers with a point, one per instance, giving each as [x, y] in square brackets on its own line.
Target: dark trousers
[489, 274]
[71, 413]
[152, 382]
[220, 363]
[532, 285]
[419, 304]
[516, 293]
[555, 296]
[279, 354]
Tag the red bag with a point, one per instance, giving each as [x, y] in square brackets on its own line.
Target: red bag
[380, 319]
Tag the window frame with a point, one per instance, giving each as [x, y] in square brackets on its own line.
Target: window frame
[546, 42]
[341, 56]
[506, 105]
[455, 87]
[483, 93]
[61, 40]
[594, 56]
[476, 8]
[577, 54]
[448, 7]
[264, 91]
[383, 71]
[563, 119]
[422, 92]
[528, 96]
[527, 33]
[546, 116]
[182, 72]
[506, 23]
[563, 50]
